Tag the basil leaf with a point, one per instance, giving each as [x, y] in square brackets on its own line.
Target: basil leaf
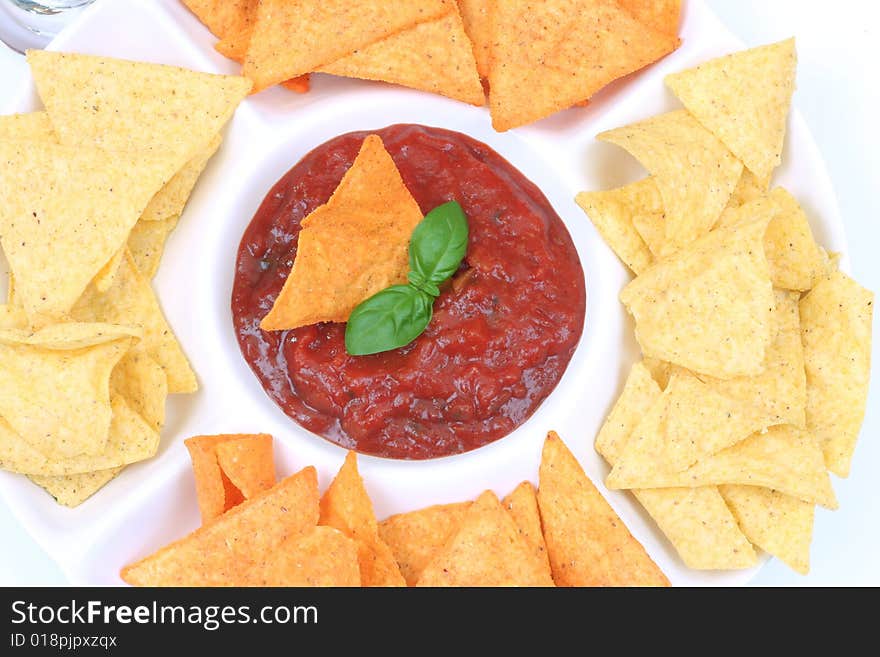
[387, 320]
[439, 243]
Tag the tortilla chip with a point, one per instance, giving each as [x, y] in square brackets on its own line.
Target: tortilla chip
[290, 39]
[487, 550]
[130, 439]
[783, 458]
[103, 280]
[836, 319]
[660, 15]
[695, 520]
[744, 99]
[551, 55]
[58, 234]
[708, 307]
[228, 469]
[131, 301]
[779, 524]
[33, 126]
[796, 262]
[434, 56]
[73, 490]
[415, 537]
[56, 385]
[146, 242]
[613, 213]
[171, 199]
[652, 229]
[477, 17]
[370, 219]
[321, 556]
[748, 189]
[299, 84]
[522, 505]
[142, 381]
[12, 317]
[587, 542]
[229, 20]
[661, 371]
[694, 171]
[698, 421]
[347, 507]
[121, 105]
[781, 389]
[231, 550]
[249, 463]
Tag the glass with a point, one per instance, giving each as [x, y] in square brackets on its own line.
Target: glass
[34, 23]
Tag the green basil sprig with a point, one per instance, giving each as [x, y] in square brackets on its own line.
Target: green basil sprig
[399, 314]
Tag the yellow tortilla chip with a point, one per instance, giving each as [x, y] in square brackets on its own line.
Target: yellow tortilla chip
[59, 233]
[587, 542]
[779, 524]
[660, 15]
[796, 261]
[122, 105]
[652, 229]
[103, 280]
[836, 319]
[131, 301]
[477, 17]
[56, 385]
[146, 242]
[434, 56]
[748, 189]
[290, 39]
[142, 381]
[744, 99]
[783, 458]
[522, 505]
[781, 388]
[613, 213]
[694, 171]
[12, 317]
[231, 550]
[487, 550]
[33, 126]
[370, 219]
[415, 537]
[171, 199]
[130, 439]
[698, 421]
[661, 371]
[321, 556]
[552, 55]
[695, 520]
[708, 307]
[73, 490]
[347, 507]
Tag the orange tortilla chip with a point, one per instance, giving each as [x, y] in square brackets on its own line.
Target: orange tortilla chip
[321, 556]
[660, 15]
[229, 20]
[477, 17]
[433, 56]
[229, 469]
[587, 542]
[293, 38]
[549, 56]
[231, 551]
[487, 550]
[300, 84]
[368, 220]
[347, 507]
[416, 536]
[522, 505]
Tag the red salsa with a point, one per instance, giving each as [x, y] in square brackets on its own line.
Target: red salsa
[503, 330]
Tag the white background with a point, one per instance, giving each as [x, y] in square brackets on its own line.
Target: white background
[839, 93]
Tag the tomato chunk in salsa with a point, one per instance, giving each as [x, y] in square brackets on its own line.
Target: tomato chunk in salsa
[503, 331]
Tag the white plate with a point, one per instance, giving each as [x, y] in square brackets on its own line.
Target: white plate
[152, 503]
